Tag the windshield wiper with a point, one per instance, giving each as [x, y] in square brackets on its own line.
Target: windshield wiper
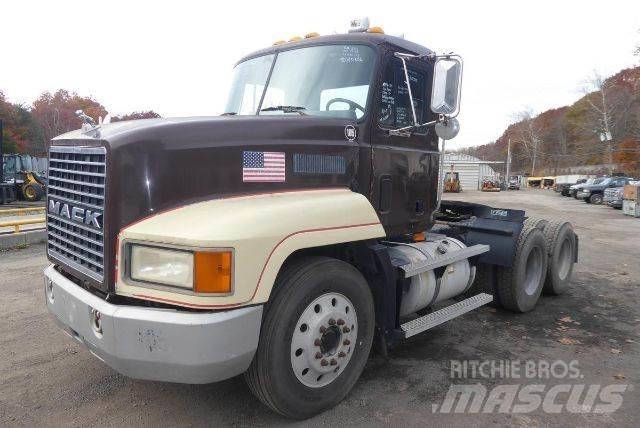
[229, 113]
[286, 109]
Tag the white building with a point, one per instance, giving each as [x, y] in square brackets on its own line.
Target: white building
[470, 169]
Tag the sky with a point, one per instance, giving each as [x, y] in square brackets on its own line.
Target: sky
[176, 57]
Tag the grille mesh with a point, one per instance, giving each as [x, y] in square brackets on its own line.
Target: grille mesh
[77, 179]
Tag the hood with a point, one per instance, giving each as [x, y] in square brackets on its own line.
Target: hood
[154, 165]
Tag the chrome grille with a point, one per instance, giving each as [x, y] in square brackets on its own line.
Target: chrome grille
[75, 208]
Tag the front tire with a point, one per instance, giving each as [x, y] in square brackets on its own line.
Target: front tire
[315, 339]
[32, 192]
[595, 199]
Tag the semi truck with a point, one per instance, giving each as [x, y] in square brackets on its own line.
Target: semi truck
[290, 236]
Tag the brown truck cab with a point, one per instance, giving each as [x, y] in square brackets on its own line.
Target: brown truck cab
[288, 236]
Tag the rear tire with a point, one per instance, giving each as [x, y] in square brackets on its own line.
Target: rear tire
[520, 285]
[540, 223]
[561, 247]
[312, 295]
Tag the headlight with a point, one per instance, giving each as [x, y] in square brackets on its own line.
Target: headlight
[161, 266]
[199, 271]
[586, 191]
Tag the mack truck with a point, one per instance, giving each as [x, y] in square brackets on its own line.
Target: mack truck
[290, 236]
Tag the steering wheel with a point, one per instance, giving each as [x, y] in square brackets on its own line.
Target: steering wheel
[352, 104]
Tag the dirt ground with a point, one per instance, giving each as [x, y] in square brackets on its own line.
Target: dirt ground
[47, 379]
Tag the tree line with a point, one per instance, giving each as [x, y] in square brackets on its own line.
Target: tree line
[28, 129]
[601, 128]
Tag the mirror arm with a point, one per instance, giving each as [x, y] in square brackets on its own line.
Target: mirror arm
[408, 130]
[406, 77]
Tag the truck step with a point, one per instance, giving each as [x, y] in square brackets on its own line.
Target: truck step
[447, 258]
[438, 317]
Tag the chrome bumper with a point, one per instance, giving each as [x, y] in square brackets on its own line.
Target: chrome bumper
[156, 344]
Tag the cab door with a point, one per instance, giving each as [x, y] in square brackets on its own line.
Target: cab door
[405, 167]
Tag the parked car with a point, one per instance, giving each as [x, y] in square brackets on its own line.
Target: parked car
[514, 184]
[563, 182]
[594, 193]
[614, 196]
[573, 190]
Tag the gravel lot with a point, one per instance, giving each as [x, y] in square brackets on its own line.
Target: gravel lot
[47, 379]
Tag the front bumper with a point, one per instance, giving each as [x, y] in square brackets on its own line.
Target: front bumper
[615, 203]
[583, 195]
[156, 344]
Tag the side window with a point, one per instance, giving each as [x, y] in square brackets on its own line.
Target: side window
[395, 110]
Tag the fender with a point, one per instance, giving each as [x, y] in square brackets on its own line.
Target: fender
[263, 230]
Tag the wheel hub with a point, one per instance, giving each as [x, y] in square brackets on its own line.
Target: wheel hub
[330, 340]
[322, 343]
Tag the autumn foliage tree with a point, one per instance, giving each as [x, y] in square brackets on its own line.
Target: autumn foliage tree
[628, 156]
[18, 126]
[568, 137]
[56, 113]
[136, 115]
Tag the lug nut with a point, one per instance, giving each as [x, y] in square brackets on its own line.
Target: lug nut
[346, 329]
[323, 329]
[318, 355]
[332, 321]
[317, 342]
[324, 363]
[346, 342]
[340, 321]
[342, 355]
[334, 362]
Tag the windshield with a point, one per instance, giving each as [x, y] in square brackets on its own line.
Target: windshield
[604, 181]
[599, 180]
[9, 165]
[331, 80]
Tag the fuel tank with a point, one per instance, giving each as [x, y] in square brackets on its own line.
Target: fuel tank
[434, 286]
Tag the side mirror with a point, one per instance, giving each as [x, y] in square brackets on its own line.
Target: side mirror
[448, 128]
[447, 82]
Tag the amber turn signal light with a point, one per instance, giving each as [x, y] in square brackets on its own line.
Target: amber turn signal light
[212, 272]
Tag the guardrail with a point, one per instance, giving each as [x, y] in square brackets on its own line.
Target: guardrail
[21, 211]
[17, 223]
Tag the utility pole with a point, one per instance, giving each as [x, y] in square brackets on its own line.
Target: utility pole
[535, 154]
[508, 174]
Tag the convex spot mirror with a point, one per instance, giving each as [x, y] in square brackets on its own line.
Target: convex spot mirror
[447, 81]
[448, 128]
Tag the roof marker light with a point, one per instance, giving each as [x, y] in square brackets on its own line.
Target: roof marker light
[311, 35]
[377, 30]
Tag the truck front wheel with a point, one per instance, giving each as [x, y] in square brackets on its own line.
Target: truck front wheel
[315, 339]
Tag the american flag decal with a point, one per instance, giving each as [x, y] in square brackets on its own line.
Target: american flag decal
[265, 167]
